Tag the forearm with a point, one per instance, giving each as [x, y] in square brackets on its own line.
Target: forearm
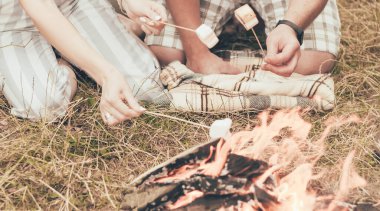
[187, 14]
[303, 12]
[65, 38]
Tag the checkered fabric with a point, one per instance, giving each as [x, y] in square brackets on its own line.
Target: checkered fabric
[322, 35]
[253, 90]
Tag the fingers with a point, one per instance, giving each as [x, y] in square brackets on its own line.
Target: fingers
[160, 11]
[153, 15]
[155, 11]
[272, 48]
[119, 109]
[150, 26]
[284, 56]
[132, 102]
[146, 30]
[286, 69]
[112, 114]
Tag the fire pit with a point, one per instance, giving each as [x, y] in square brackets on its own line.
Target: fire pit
[267, 168]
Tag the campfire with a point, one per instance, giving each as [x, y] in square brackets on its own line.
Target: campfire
[267, 168]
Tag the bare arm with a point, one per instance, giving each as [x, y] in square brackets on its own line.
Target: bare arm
[303, 12]
[187, 13]
[283, 47]
[62, 35]
[199, 58]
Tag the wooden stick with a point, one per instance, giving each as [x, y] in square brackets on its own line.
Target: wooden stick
[258, 41]
[175, 118]
[176, 26]
[146, 21]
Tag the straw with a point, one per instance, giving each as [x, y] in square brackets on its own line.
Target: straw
[176, 118]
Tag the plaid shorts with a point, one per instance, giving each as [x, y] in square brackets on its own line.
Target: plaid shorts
[322, 35]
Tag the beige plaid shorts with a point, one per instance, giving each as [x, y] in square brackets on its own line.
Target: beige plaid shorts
[322, 35]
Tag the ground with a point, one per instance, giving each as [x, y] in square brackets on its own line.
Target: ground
[79, 162]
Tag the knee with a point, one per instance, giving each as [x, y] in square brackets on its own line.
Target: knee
[48, 101]
[167, 55]
[315, 62]
[326, 62]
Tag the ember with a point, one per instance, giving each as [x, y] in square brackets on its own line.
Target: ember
[247, 170]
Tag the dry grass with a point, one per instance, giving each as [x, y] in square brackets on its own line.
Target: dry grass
[81, 164]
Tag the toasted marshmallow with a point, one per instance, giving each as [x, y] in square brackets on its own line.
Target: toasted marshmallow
[207, 35]
[246, 16]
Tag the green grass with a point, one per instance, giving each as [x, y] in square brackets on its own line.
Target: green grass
[83, 163]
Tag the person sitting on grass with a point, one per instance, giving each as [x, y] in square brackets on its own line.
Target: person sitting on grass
[89, 35]
[318, 18]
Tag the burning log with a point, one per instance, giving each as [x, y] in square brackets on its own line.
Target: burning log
[245, 171]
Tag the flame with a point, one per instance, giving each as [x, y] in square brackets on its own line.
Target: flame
[293, 193]
[253, 144]
[185, 200]
[214, 168]
[350, 178]
[185, 171]
[294, 151]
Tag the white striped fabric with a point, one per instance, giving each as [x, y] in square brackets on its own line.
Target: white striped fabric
[37, 87]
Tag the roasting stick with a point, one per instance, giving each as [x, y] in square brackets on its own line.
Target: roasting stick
[258, 41]
[247, 17]
[176, 26]
[205, 33]
[158, 20]
[175, 118]
[192, 30]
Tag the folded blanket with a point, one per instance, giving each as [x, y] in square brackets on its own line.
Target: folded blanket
[253, 90]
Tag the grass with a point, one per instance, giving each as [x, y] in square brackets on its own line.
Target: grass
[80, 163]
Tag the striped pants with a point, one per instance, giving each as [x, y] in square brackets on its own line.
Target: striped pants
[37, 87]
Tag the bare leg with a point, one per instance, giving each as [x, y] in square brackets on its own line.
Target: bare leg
[198, 56]
[73, 78]
[167, 55]
[314, 62]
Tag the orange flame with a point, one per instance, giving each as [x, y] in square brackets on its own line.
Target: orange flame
[292, 190]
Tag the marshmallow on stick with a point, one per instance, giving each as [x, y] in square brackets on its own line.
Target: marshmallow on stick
[204, 32]
[246, 16]
[207, 35]
[220, 129]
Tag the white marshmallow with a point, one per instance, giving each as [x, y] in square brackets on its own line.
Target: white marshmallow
[220, 128]
[246, 16]
[207, 35]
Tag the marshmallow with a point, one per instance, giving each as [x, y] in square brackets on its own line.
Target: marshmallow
[220, 128]
[246, 16]
[207, 35]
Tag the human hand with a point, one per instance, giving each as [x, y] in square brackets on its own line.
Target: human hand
[150, 14]
[117, 103]
[283, 51]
